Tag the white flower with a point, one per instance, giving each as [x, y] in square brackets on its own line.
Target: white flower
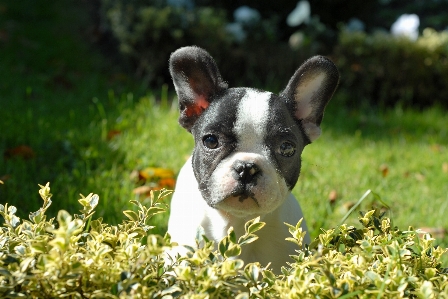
[246, 15]
[355, 24]
[236, 29]
[406, 25]
[301, 14]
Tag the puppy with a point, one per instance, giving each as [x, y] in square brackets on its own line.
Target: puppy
[246, 158]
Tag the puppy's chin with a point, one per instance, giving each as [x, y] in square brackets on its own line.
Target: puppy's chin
[238, 207]
[247, 207]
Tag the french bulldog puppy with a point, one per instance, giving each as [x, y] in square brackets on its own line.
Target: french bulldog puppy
[246, 158]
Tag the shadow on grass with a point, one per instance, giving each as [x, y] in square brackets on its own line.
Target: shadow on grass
[389, 124]
[56, 100]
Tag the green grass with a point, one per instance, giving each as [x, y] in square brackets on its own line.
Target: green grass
[60, 96]
[353, 154]
[349, 158]
[57, 97]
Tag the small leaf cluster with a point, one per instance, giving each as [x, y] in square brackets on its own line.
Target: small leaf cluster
[76, 256]
[374, 261]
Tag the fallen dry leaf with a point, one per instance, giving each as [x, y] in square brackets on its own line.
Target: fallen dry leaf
[333, 196]
[61, 81]
[155, 179]
[356, 67]
[384, 170]
[4, 36]
[156, 172]
[5, 177]
[22, 151]
[436, 232]
[112, 133]
[419, 177]
[134, 176]
[144, 190]
[348, 205]
[436, 148]
[168, 183]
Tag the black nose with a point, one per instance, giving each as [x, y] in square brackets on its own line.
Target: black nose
[245, 172]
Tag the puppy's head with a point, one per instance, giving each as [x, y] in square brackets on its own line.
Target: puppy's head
[248, 142]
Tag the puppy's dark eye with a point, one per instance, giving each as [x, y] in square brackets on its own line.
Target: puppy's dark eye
[210, 141]
[287, 149]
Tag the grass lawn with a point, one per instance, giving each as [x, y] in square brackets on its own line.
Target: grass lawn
[62, 99]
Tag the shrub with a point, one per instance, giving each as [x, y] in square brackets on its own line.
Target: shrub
[78, 257]
[376, 69]
[383, 70]
[380, 14]
[148, 32]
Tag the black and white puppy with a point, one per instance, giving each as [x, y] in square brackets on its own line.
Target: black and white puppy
[246, 158]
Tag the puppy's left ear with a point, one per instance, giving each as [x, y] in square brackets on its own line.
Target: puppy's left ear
[309, 90]
[196, 79]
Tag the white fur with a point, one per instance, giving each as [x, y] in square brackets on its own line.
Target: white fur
[190, 213]
[252, 116]
[250, 129]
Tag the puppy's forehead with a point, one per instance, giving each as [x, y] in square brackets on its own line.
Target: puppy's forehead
[252, 118]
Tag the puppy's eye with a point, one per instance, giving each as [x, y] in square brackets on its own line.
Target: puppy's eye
[210, 141]
[287, 149]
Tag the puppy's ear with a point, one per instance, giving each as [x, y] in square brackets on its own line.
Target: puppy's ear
[196, 79]
[309, 91]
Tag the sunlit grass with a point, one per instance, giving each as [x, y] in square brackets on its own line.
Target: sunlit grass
[398, 154]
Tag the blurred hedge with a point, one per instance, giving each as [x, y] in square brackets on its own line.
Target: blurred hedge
[377, 14]
[376, 69]
[384, 70]
[147, 32]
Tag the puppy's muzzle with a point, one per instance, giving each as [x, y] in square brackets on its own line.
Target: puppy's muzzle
[245, 174]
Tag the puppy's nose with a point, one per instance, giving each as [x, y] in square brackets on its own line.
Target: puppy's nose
[245, 172]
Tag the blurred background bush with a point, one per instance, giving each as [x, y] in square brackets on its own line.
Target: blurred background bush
[388, 51]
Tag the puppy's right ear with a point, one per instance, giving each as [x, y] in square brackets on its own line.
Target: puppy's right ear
[196, 79]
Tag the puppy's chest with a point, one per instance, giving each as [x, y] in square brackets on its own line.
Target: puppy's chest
[270, 247]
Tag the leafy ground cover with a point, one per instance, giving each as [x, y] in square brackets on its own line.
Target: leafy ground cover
[70, 118]
[76, 256]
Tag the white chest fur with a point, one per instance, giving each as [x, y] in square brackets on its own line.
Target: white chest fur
[189, 212]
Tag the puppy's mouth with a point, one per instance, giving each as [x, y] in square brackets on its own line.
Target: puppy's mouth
[243, 193]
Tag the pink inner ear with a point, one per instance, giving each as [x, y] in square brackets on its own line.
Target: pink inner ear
[303, 110]
[199, 105]
[305, 92]
[202, 102]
